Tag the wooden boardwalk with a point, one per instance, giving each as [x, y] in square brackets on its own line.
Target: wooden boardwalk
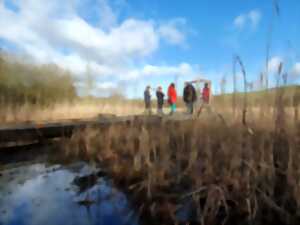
[31, 132]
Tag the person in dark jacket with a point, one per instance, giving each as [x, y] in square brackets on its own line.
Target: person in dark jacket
[160, 100]
[147, 100]
[189, 97]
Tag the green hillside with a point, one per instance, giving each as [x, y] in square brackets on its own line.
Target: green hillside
[291, 95]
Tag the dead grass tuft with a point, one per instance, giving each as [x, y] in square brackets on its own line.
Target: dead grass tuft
[224, 170]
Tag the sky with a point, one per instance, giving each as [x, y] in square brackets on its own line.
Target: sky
[125, 45]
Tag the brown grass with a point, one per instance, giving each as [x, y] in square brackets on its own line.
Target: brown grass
[63, 111]
[230, 174]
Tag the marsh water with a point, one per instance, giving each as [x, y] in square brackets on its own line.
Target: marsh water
[40, 193]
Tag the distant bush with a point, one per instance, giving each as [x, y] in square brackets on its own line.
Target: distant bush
[34, 84]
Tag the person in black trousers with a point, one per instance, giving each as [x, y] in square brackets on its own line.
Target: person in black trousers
[147, 100]
[160, 100]
[189, 97]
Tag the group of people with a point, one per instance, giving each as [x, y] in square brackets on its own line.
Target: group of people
[189, 97]
[172, 99]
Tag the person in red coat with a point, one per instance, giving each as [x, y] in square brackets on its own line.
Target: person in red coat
[205, 95]
[172, 97]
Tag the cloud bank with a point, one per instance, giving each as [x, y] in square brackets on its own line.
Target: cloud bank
[55, 32]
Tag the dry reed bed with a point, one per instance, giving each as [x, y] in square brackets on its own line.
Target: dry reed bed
[64, 111]
[228, 174]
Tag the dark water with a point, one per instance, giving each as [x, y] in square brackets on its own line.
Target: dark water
[60, 195]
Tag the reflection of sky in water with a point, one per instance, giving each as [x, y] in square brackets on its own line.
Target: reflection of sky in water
[31, 196]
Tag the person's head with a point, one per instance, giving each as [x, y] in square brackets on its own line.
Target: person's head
[186, 84]
[172, 85]
[206, 85]
[148, 88]
[159, 88]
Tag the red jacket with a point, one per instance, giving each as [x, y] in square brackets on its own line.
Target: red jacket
[206, 95]
[172, 95]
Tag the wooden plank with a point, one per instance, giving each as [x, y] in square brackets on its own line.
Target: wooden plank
[29, 132]
[35, 132]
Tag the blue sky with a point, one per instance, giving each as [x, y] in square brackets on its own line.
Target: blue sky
[128, 44]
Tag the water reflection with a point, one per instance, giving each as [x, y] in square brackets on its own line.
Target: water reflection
[40, 195]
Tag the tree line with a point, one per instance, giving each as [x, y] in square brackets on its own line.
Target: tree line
[22, 83]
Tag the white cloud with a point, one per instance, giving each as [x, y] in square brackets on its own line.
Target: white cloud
[274, 63]
[107, 16]
[53, 32]
[183, 69]
[251, 18]
[106, 85]
[255, 17]
[240, 21]
[172, 31]
[133, 38]
[296, 69]
[102, 89]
